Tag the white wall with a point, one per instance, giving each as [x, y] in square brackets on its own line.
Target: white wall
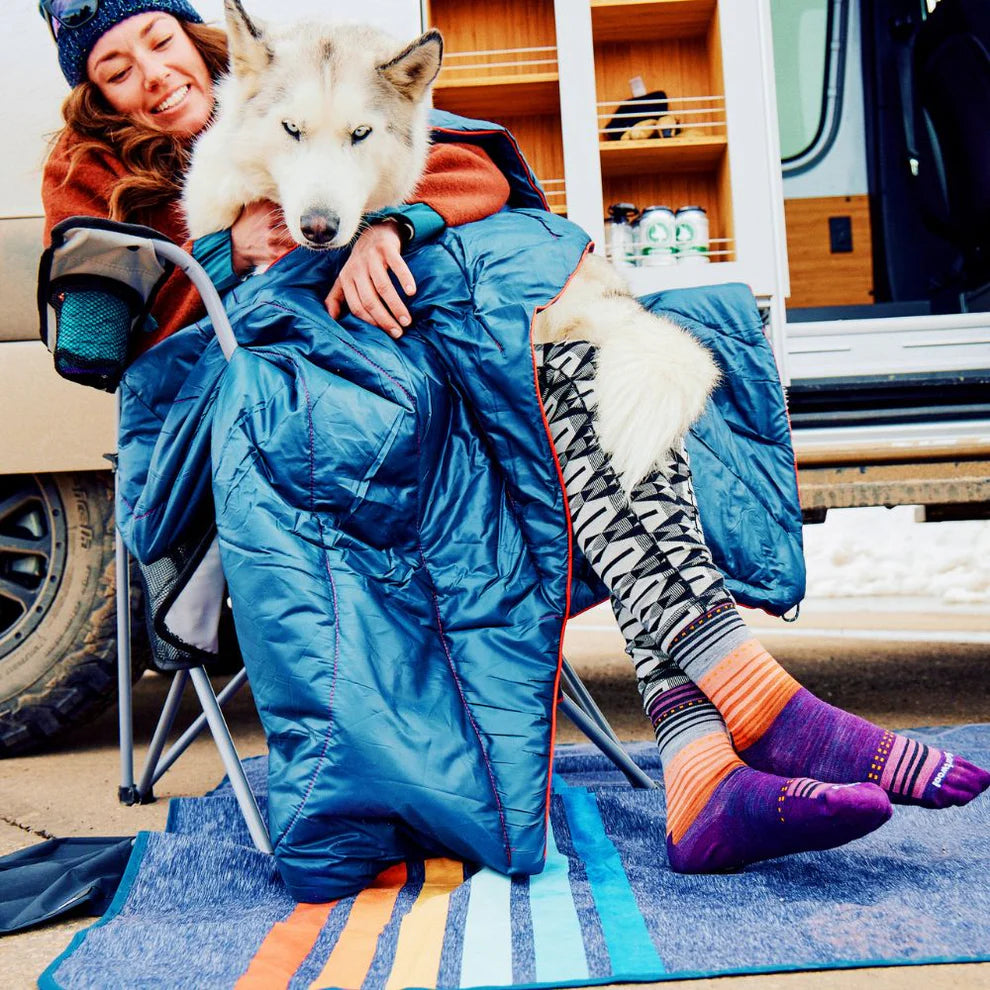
[33, 87]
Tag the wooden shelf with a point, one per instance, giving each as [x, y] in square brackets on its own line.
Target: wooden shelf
[676, 154]
[636, 20]
[499, 96]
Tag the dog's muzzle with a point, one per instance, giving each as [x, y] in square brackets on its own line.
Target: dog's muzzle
[319, 227]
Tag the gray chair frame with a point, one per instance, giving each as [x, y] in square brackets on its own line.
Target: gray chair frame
[575, 700]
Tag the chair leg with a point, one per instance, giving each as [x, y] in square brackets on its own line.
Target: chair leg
[145, 787]
[126, 792]
[231, 761]
[196, 727]
[605, 742]
[582, 696]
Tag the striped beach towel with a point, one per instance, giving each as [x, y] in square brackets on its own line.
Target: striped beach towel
[199, 907]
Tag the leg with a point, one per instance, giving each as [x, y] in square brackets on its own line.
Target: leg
[651, 553]
[720, 813]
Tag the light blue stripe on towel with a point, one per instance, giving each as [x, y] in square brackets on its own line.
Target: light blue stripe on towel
[629, 944]
[557, 942]
[487, 955]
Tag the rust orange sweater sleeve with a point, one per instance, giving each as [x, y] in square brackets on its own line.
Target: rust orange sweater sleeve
[461, 183]
[86, 192]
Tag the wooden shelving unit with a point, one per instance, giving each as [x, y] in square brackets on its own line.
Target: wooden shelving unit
[500, 64]
[674, 47]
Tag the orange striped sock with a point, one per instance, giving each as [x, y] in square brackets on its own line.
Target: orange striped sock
[743, 681]
[691, 777]
[779, 727]
[750, 689]
[723, 814]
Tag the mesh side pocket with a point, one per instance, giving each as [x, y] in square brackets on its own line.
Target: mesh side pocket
[92, 342]
[162, 580]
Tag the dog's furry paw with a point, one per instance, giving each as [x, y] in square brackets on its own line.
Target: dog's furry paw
[212, 192]
[652, 381]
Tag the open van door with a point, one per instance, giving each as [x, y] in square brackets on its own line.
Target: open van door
[883, 110]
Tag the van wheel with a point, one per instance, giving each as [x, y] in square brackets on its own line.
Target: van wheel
[57, 605]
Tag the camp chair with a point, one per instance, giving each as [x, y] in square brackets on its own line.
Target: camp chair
[96, 285]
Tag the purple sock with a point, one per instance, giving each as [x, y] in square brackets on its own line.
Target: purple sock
[720, 813]
[752, 816]
[812, 737]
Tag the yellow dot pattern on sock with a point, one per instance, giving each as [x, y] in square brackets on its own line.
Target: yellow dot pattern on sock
[679, 708]
[700, 621]
[879, 760]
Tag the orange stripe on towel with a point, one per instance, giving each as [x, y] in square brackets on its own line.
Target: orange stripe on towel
[750, 689]
[417, 954]
[691, 777]
[354, 952]
[285, 948]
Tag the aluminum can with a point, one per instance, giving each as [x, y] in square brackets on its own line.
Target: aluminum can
[620, 237]
[692, 235]
[656, 236]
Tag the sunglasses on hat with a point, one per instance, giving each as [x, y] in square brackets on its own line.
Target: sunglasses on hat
[60, 14]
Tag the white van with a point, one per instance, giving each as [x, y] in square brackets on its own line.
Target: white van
[861, 226]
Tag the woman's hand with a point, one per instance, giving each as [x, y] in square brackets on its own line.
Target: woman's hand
[258, 237]
[364, 283]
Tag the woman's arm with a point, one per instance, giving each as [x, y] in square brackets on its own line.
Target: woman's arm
[460, 184]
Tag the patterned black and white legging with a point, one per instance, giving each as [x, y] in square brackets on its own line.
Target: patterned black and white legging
[649, 549]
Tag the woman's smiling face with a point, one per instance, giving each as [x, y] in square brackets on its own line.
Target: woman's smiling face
[148, 69]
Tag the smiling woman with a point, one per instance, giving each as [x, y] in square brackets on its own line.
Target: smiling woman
[129, 109]
[148, 68]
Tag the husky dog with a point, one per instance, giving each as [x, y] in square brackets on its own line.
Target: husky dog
[330, 122]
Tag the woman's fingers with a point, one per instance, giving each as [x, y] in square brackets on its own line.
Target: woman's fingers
[335, 300]
[384, 291]
[395, 261]
[258, 237]
[365, 283]
[367, 297]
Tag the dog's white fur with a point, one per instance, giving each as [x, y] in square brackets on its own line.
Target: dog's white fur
[326, 83]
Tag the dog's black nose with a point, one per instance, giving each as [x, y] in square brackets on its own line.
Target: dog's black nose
[319, 227]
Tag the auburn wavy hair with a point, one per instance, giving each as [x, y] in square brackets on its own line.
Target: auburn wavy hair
[155, 160]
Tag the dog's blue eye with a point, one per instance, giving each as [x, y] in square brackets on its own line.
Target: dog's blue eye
[360, 133]
[291, 129]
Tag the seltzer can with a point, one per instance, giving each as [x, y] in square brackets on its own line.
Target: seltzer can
[656, 236]
[692, 235]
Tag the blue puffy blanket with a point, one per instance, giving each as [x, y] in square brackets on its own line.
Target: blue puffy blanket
[395, 539]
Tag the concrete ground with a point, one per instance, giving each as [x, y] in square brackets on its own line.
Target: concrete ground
[896, 662]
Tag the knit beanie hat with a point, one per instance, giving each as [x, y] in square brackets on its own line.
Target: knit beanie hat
[75, 44]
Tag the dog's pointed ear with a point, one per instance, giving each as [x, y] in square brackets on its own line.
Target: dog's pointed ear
[415, 67]
[250, 53]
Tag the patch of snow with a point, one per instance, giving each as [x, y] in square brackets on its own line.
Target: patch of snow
[876, 551]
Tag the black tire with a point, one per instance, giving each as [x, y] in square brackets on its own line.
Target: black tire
[57, 605]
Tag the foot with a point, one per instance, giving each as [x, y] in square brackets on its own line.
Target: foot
[813, 738]
[752, 816]
[723, 814]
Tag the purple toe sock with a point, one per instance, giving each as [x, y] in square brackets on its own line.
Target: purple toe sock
[753, 816]
[812, 738]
